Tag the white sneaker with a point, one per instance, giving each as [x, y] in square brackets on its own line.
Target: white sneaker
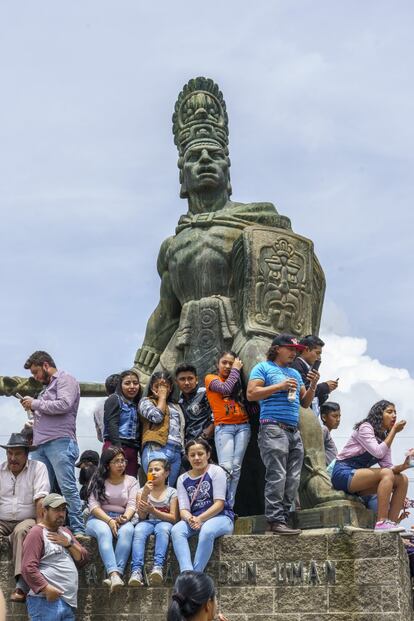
[116, 582]
[107, 582]
[156, 576]
[136, 579]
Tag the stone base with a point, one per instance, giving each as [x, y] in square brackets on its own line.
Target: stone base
[320, 575]
[342, 513]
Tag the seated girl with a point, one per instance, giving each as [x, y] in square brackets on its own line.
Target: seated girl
[370, 444]
[162, 425]
[204, 509]
[157, 506]
[112, 502]
[231, 422]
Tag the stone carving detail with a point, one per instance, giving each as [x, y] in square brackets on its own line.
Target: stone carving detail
[282, 287]
[277, 268]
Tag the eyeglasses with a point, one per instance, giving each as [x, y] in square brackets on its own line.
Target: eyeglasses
[119, 461]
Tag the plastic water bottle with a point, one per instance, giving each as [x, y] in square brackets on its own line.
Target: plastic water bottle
[292, 394]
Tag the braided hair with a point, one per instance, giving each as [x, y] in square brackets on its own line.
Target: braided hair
[191, 591]
[374, 418]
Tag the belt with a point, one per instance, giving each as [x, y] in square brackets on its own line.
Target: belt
[290, 428]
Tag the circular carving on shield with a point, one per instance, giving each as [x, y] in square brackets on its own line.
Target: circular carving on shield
[206, 339]
[208, 317]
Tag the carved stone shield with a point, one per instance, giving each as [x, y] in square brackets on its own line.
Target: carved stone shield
[279, 281]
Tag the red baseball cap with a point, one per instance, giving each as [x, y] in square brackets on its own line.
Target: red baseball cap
[287, 340]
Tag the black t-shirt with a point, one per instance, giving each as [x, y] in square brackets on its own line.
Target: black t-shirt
[197, 413]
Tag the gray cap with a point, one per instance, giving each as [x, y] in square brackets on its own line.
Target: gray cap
[54, 501]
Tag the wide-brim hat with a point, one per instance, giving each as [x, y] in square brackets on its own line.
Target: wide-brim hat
[18, 440]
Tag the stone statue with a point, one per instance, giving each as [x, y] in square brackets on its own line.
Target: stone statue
[234, 274]
[232, 277]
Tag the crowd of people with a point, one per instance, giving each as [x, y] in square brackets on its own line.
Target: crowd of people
[170, 467]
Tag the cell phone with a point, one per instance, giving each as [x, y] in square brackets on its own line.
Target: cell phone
[18, 396]
[316, 365]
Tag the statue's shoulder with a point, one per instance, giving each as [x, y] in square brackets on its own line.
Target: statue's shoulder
[258, 213]
[162, 261]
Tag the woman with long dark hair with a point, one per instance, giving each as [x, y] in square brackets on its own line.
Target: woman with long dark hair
[231, 421]
[112, 501]
[370, 444]
[163, 425]
[194, 597]
[121, 422]
[204, 509]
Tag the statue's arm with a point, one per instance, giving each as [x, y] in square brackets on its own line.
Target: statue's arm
[163, 321]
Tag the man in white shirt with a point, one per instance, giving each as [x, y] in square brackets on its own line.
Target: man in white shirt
[23, 485]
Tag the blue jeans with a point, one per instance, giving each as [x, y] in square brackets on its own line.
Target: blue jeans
[170, 451]
[59, 456]
[231, 444]
[114, 560]
[209, 531]
[142, 531]
[39, 609]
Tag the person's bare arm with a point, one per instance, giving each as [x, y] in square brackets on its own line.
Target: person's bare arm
[39, 509]
[306, 396]
[256, 390]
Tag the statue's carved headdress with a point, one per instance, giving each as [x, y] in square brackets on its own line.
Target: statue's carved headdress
[200, 116]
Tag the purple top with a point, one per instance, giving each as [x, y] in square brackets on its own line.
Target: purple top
[56, 408]
[225, 388]
[362, 440]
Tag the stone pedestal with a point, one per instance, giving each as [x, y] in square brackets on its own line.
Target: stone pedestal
[322, 575]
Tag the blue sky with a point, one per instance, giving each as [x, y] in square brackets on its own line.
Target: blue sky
[320, 102]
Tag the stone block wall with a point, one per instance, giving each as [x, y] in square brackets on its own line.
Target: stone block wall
[322, 575]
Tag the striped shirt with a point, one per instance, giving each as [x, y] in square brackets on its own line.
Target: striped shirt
[277, 407]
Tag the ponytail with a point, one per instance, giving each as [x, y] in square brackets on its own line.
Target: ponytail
[191, 591]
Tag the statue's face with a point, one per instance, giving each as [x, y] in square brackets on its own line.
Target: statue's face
[205, 168]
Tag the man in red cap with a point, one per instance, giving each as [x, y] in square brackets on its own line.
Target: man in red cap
[280, 391]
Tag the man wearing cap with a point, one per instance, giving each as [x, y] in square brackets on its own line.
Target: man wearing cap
[54, 430]
[50, 557]
[280, 391]
[23, 485]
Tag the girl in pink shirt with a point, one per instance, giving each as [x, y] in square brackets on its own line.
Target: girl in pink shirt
[112, 502]
[369, 445]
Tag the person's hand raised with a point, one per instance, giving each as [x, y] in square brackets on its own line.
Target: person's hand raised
[399, 425]
[237, 364]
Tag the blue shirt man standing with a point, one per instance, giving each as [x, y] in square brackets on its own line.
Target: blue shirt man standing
[280, 392]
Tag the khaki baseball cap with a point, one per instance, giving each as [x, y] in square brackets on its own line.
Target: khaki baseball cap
[54, 501]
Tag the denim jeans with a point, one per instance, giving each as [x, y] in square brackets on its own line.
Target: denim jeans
[209, 531]
[142, 531]
[282, 454]
[39, 609]
[59, 456]
[114, 560]
[231, 444]
[170, 451]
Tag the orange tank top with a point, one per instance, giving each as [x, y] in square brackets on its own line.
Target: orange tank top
[226, 411]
